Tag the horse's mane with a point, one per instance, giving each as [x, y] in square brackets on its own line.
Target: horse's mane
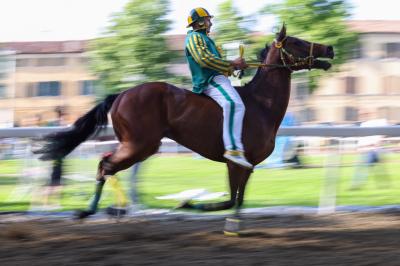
[261, 56]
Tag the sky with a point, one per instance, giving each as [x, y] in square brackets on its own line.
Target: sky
[46, 20]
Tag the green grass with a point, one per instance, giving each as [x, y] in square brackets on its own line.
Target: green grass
[162, 175]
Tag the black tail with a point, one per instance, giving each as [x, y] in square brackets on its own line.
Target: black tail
[60, 144]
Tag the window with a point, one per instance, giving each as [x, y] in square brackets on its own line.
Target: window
[350, 85]
[84, 61]
[301, 90]
[3, 89]
[49, 88]
[307, 115]
[86, 87]
[356, 52]
[350, 114]
[56, 61]
[391, 85]
[392, 49]
[24, 62]
[30, 89]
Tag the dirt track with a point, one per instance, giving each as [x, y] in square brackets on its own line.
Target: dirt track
[341, 239]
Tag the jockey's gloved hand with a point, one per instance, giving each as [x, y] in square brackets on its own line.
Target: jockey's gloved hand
[239, 64]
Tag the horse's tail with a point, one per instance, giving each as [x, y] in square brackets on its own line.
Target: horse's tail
[60, 144]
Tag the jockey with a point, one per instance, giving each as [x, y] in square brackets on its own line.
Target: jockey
[209, 76]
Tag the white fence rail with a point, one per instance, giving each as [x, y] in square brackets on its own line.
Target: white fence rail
[305, 131]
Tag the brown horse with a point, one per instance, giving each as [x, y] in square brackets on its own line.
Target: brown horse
[143, 115]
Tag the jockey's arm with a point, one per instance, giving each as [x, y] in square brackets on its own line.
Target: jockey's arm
[202, 55]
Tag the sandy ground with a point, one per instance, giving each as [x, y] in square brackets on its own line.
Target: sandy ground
[339, 239]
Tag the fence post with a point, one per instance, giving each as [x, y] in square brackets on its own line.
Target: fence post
[327, 200]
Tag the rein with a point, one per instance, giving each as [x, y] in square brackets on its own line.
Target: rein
[297, 61]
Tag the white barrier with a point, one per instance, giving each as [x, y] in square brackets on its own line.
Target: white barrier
[35, 132]
[305, 131]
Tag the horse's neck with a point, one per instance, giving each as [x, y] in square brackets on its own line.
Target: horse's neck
[273, 85]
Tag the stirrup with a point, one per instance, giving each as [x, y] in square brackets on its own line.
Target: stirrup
[238, 158]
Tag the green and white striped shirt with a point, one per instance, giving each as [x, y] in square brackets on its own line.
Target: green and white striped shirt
[205, 61]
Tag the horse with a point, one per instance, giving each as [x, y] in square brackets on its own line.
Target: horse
[143, 115]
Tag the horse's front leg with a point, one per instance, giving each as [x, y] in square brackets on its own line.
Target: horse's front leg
[233, 225]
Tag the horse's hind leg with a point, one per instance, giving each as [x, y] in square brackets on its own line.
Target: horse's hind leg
[126, 155]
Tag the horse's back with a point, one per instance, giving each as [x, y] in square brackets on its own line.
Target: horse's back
[139, 112]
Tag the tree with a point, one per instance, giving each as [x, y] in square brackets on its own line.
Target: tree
[322, 21]
[134, 49]
[229, 24]
[230, 28]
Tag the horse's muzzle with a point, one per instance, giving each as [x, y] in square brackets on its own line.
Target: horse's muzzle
[320, 64]
[329, 52]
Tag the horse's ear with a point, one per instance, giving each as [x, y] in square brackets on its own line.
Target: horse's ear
[282, 33]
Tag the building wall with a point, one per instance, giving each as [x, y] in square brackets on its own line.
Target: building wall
[70, 69]
[371, 76]
[7, 88]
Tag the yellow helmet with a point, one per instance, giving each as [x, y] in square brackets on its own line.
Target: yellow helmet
[196, 14]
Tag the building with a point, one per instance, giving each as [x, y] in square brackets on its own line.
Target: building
[7, 88]
[368, 86]
[43, 77]
[36, 78]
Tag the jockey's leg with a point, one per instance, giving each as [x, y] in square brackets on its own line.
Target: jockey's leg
[221, 90]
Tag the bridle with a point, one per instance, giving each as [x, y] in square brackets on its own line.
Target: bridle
[290, 60]
[296, 61]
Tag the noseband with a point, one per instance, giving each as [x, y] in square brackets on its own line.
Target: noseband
[296, 61]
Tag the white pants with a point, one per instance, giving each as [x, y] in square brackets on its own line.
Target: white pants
[221, 90]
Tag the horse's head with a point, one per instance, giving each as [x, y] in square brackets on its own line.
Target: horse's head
[297, 54]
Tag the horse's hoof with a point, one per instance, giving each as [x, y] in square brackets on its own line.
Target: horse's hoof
[115, 211]
[79, 214]
[232, 227]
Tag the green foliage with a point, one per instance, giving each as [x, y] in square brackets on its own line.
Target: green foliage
[322, 21]
[230, 27]
[229, 24]
[134, 49]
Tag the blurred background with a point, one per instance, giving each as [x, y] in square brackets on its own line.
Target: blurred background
[58, 57]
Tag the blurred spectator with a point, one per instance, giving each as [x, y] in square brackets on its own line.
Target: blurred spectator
[371, 157]
[294, 161]
[286, 152]
[53, 188]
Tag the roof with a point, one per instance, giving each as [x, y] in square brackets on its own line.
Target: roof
[375, 26]
[177, 42]
[46, 47]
